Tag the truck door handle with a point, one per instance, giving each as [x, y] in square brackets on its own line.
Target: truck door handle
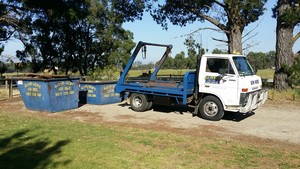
[206, 85]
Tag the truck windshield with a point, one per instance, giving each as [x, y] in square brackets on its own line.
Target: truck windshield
[243, 66]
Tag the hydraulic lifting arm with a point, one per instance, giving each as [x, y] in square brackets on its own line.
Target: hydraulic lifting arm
[142, 45]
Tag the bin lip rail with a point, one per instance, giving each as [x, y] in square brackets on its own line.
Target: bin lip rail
[45, 77]
[98, 82]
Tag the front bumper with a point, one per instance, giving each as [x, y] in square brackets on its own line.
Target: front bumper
[254, 100]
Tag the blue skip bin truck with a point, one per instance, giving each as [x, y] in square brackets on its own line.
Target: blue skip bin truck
[220, 83]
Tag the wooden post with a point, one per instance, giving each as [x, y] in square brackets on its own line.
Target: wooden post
[6, 84]
[10, 88]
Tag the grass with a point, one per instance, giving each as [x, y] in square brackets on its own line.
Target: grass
[266, 73]
[292, 95]
[40, 142]
[4, 93]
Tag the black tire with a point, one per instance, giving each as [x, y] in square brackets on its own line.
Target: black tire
[211, 108]
[138, 102]
[150, 104]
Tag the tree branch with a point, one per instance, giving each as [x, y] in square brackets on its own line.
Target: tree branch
[9, 19]
[200, 29]
[250, 46]
[250, 37]
[219, 40]
[220, 3]
[296, 37]
[210, 19]
[215, 10]
[214, 22]
[252, 30]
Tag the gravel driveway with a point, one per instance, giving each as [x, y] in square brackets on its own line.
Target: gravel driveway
[275, 121]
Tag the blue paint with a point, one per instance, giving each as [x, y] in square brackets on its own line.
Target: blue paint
[180, 92]
[99, 93]
[51, 95]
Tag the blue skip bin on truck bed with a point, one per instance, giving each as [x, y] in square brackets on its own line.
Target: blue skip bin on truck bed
[98, 93]
[52, 95]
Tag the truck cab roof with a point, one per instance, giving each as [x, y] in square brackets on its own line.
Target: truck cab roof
[222, 55]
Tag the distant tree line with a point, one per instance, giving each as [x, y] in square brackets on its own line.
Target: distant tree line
[258, 61]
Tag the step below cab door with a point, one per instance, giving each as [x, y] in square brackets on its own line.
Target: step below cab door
[218, 77]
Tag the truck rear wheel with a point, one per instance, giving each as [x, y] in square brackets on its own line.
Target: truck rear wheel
[150, 104]
[211, 108]
[138, 102]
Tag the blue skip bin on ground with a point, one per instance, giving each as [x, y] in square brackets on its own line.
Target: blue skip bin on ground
[98, 93]
[51, 95]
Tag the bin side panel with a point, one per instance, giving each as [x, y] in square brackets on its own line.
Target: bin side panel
[64, 95]
[108, 94]
[98, 93]
[88, 93]
[50, 96]
[34, 94]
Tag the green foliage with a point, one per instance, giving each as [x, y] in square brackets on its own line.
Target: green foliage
[107, 73]
[218, 51]
[138, 65]
[8, 21]
[290, 16]
[192, 47]
[1, 49]
[260, 60]
[81, 34]
[180, 61]
[180, 13]
[169, 63]
[122, 50]
[3, 68]
[294, 72]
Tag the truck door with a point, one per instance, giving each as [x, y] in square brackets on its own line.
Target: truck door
[220, 79]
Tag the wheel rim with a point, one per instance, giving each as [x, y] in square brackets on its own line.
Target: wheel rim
[137, 101]
[211, 109]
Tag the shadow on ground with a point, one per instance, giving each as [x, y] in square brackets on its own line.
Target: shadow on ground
[22, 150]
[236, 116]
[229, 116]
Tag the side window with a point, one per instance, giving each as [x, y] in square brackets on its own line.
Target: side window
[221, 66]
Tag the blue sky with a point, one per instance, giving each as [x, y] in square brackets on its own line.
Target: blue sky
[149, 31]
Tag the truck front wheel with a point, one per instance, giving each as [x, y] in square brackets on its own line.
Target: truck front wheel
[211, 108]
[138, 102]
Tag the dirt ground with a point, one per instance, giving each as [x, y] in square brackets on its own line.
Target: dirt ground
[274, 121]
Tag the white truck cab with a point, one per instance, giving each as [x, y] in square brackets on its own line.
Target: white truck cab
[231, 80]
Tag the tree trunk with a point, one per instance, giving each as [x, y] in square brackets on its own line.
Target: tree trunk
[235, 39]
[284, 54]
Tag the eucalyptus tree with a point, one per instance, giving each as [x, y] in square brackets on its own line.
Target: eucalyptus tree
[287, 13]
[229, 16]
